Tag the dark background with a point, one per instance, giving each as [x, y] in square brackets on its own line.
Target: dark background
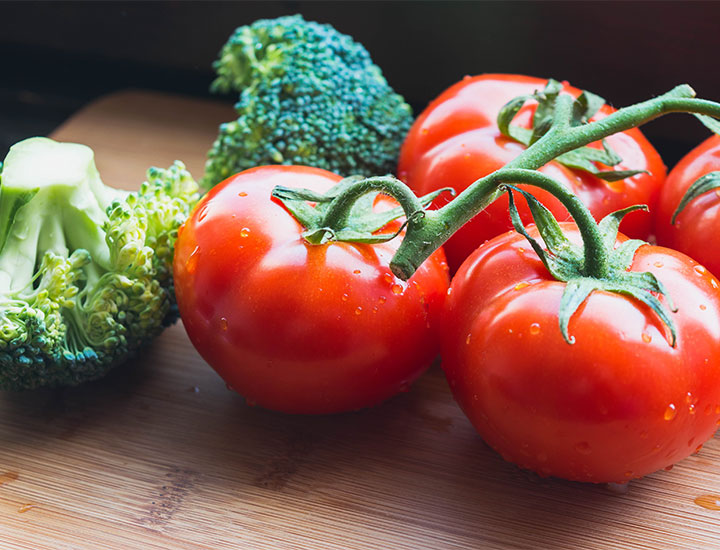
[56, 56]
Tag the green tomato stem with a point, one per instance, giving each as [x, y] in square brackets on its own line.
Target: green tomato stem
[341, 206]
[437, 226]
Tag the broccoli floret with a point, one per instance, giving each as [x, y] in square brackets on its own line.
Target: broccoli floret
[308, 95]
[85, 270]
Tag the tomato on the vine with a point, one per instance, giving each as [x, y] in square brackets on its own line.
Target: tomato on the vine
[618, 403]
[456, 140]
[296, 327]
[699, 222]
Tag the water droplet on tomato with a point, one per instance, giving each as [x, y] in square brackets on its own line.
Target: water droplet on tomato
[203, 212]
[382, 300]
[700, 270]
[646, 338]
[521, 251]
[424, 131]
[191, 262]
[658, 264]
[713, 282]
[710, 502]
[397, 289]
[583, 448]
[375, 309]
[691, 408]
[358, 310]
[467, 340]
[629, 473]
[688, 397]
[475, 397]
[244, 232]
[703, 307]
[670, 412]
[223, 323]
[521, 285]
[344, 297]
[389, 278]
[535, 328]
[356, 271]
[242, 194]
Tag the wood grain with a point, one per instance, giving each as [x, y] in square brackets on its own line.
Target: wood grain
[161, 455]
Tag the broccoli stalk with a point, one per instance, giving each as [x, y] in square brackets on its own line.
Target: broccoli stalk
[85, 270]
[308, 95]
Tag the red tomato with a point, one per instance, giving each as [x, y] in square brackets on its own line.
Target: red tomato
[617, 404]
[456, 140]
[296, 327]
[698, 224]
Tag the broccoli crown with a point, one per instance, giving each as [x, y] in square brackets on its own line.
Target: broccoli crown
[85, 270]
[308, 95]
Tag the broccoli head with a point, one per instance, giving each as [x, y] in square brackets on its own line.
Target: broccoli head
[85, 270]
[308, 95]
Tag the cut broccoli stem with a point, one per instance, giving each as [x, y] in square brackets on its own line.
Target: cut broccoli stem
[85, 270]
[55, 206]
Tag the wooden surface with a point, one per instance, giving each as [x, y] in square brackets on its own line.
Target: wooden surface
[160, 455]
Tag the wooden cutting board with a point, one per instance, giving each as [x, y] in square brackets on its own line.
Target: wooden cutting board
[161, 455]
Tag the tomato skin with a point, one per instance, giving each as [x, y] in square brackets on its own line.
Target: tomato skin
[698, 224]
[619, 403]
[295, 327]
[456, 140]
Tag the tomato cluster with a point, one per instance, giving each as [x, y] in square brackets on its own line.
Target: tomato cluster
[322, 328]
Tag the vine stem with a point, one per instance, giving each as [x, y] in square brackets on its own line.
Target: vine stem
[341, 206]
[436, 227]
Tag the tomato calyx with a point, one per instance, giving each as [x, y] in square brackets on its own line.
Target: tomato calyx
[346, 213]
[570, 263]
[584, 108]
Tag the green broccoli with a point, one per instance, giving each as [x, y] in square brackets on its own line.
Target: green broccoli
[85, 270]
[308, 95]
